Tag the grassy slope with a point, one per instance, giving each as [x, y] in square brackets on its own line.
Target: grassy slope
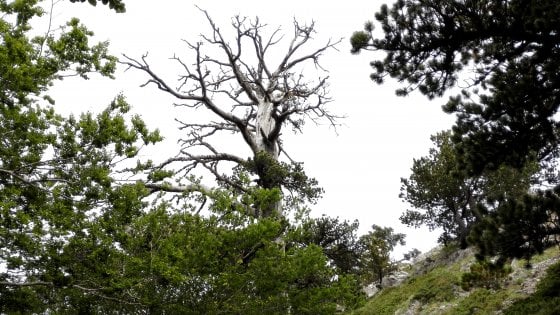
[438, 291]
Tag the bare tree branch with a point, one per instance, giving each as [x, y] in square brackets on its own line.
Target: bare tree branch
[179, 188]
[240, 88]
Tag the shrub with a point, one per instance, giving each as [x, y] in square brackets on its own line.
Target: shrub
[485, 274]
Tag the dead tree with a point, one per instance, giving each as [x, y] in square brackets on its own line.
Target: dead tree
[246, 95]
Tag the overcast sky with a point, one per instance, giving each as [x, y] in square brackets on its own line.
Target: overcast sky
[359, 165]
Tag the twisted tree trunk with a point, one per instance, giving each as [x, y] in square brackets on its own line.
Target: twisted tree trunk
[248, 97]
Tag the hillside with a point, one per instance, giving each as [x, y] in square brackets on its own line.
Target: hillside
[434, 287]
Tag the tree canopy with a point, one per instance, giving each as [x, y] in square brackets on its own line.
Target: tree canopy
[444, 196]
[376, 247]
[503, 55]
[117, 5]
[88, 225]
[505, 113]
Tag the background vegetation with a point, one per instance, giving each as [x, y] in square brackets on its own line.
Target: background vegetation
[89, 225]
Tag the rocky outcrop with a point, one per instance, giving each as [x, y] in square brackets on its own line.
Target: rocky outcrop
[391, 280]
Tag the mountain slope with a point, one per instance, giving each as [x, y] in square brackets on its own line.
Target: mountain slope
[435, 287]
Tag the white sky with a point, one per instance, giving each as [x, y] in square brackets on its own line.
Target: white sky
[360, 168]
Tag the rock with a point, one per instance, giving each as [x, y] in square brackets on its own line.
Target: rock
[394, 279]
[413, 308]
[391, 280]
[371, 289]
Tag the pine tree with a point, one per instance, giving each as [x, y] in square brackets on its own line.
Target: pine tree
[504, 55]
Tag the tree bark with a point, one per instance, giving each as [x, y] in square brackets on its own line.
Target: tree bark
[265, 124]
[246, 95]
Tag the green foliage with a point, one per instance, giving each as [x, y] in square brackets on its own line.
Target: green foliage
[29, 66]
[442, 194]
[275, 174]
[117, 5]
[438, 291]
[375, 253]
[359, 41]
[81, 232]
[485, 274]
[506, 112]
[519, 228]
[446, 197]
[480, 301]
[72, 48]
[54, 181]
[546, 300]
[438, 285]
[337, 238]
[130, 261]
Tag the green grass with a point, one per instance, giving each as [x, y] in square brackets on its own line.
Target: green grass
[435, 286]
[480, 301]
[438, 291]
[545, 301]
[547, 254]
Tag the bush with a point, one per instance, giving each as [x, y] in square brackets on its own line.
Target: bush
[485, 274]
[436, 287]
[480, 301]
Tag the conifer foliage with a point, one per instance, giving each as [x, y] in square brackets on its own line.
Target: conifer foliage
[504, 56]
